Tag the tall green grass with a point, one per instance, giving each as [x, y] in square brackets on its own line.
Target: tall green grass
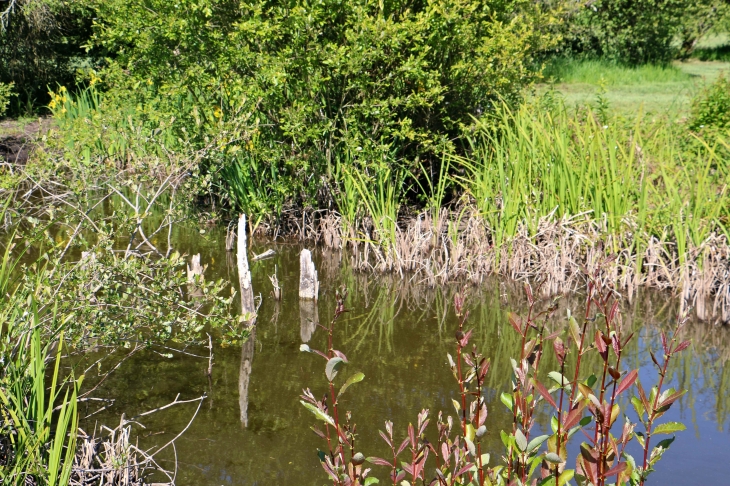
[38, 424]
[640, 177]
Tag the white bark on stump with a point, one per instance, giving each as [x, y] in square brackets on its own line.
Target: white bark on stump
[308, 283]
[248, 308]
[195, 269]
[248, 311]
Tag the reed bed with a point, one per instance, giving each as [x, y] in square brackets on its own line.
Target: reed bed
[544, 193]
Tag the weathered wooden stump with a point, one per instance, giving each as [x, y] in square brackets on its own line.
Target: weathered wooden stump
[248, 312]
[248, 308]
[195, 270]
[308, 283]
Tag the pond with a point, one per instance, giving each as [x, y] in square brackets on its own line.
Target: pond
[252, 430]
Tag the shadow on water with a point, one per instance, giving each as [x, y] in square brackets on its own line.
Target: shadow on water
[253, 431]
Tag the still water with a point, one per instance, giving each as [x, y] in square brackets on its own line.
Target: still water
[252, 430]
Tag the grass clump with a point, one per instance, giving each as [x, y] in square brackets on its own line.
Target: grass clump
[601, 71]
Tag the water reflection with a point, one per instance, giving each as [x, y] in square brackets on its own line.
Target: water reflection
[308, 318]
[397, 334]
[244, 376]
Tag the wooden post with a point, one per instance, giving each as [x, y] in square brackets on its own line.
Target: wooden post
[195, 269]
[308, 283]
[248, 308]
[248, 311]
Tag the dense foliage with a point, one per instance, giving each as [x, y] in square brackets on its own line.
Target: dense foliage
[42, 44]
[711, 107]
[301, 83]
[641, 31]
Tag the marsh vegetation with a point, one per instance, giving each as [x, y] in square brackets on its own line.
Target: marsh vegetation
[454, 153]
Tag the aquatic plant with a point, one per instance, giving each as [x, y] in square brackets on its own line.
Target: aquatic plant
[577, 398]
[37, 424]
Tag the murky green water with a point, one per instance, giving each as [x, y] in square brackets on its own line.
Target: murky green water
[251, 429]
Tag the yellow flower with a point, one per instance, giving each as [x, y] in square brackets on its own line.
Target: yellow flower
[218, 113]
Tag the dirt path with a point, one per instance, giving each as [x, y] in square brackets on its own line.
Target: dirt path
[17, 138]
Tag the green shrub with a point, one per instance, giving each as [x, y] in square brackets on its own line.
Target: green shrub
[639, 31]
[711, 107]
[298, 83]
[6, 91]
[42, 43]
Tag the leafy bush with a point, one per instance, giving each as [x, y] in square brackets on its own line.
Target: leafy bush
[42, 43]
[6, 91]
[303, 82]
[711, 107]
[576, 395]
[633, 31]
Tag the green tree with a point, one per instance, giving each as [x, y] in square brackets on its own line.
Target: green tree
[41, 45]
[388, 80]
[641, 31]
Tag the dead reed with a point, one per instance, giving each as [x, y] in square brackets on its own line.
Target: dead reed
[458, 245]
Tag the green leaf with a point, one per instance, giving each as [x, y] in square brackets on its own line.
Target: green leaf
[558, 378]
[554, 424]
[369, 481]
[639, 407]
[507, 440]
[553, 457]
[318, 413]
[356, 378]
[669, 428]
[565, 476]
[664, 444]
[333, 366]
[470, 432]
[536, 442]
[506, 398]
[520, 440]
[591, 381]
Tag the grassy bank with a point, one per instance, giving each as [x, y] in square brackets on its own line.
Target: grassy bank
[658, 89]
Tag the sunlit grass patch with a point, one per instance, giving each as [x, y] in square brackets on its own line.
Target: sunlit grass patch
[565, 70]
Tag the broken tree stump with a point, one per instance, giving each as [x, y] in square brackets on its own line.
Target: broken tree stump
[308, 283]
[248, 307]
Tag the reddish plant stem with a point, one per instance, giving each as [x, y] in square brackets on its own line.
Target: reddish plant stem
[652, 416]
[514, 401]
[560, 421]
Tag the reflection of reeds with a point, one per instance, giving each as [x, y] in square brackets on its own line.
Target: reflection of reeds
[557, 252]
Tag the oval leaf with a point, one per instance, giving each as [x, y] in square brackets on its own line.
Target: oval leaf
[553, 457]
[535, 443]
[333, 366]
[669, 428]
[356, 378]
[520, 440]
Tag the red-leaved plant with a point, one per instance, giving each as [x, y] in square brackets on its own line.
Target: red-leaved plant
[577, 399]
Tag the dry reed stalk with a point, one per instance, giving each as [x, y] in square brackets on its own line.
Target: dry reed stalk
[114, 460]
[459, 246]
